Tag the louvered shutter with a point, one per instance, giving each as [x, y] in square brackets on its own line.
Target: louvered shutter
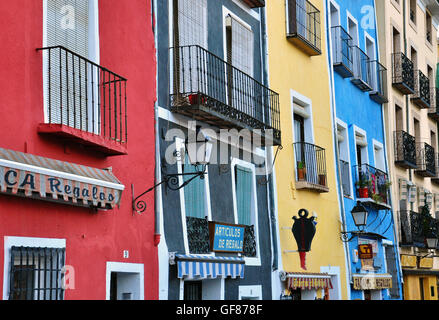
[68, 26]
[412, 193]
[244, 188]
[191, 31]
[421, 197]
[243, 94]
[428, 199]
[194, 193]
[241, 46]
[192, 23]
[403, 189]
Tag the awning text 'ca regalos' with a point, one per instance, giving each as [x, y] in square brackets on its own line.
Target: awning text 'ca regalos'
[32, 176]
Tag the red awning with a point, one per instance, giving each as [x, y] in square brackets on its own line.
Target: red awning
[54, 180]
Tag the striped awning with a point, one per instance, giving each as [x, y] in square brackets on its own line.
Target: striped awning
[33, 176]
[308, 281]
[209, 267]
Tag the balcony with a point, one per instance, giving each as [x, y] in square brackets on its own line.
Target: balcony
[84, 102]
[345, 178]
[255, 3]
[362, 77]
[421, 97]
[379, 82]
[310, 167]
[208, 89]
[405, 150]
[433, 111]
[425, 160]
[372, 186]
[403, 75]
[303, 26]
[342, 52]
[412, 228]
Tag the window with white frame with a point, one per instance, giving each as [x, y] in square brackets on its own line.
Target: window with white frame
[191, 23]
[343, 150]
[34, 269]
[71, 83]
[245, 203]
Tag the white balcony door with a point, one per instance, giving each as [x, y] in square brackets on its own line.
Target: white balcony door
[72, 24]
[192, 31]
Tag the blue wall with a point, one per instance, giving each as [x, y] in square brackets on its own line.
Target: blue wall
[355, 107]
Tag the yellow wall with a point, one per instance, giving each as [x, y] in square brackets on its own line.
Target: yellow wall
[412, 287]
[292, 69]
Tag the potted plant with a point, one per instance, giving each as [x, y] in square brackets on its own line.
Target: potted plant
[363, 187]
[196, 98]
[301, 170]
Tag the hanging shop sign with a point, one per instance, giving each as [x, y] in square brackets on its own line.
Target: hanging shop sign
[226, 237]
[365, 251]
[42, 178]
[408, 261]
[304, 230]
[372, 281]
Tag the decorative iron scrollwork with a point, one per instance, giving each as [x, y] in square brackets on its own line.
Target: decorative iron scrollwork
[198, 235]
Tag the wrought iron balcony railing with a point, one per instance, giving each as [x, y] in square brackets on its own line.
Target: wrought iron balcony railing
[342, 51]
[207, 88]
[372, 186]
[403, 73]
[345, 178]
[303, 26]
[433, 111]
[379, 82]
[411, 228]
[421, 97]
[362, 72]
[83, 95]
[198, 237]
[425, 160]
[310, 167]
[405, 150]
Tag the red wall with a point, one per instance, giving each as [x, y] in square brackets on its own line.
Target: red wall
[127, 48]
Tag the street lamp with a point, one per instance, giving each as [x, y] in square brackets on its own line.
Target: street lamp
[431, 242]
[359, 213]
[199, 152]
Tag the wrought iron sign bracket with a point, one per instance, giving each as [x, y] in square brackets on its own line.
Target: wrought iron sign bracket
[345, 236]
[171, 180]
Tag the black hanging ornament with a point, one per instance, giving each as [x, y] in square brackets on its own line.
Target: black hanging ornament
[303, 230]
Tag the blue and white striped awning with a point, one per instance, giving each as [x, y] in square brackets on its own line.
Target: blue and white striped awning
[209, 267]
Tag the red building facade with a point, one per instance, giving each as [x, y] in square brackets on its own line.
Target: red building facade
[77, 132]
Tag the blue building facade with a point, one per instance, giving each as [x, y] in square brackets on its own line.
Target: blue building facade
[358, 97]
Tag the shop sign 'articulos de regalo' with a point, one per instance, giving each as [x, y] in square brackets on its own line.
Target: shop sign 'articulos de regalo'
[61, 186]
[226, 237]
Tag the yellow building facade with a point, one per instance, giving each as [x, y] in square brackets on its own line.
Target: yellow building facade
[305, 178]
[408, 47]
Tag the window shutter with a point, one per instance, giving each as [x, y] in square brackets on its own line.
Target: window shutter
[63, 31]
[68, 26]
[412, 193]
[392, 269]
[192, 22]
[194, 193]
[244, 189]
[240, 48]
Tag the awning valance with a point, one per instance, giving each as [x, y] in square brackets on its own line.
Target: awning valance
[372, 281]
[209, 267]
[308, 281]
[53, 180]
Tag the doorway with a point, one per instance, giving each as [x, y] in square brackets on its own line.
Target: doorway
[125, 281]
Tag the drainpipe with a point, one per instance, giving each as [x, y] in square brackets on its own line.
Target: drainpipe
[269, 151]
[336, 154]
